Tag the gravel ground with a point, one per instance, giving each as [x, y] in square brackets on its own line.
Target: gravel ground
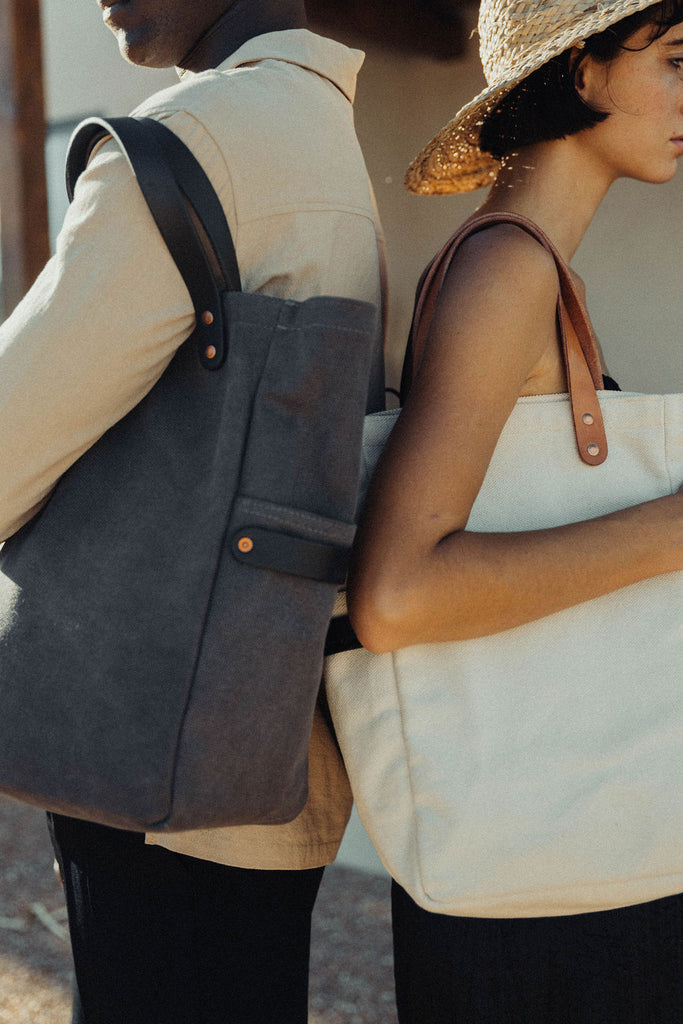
[351, 969]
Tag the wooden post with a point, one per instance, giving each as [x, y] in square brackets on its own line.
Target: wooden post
[23, 188]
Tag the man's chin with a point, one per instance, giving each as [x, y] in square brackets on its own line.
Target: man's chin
[142, 54]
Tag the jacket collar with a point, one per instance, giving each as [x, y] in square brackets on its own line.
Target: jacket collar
[326, 57]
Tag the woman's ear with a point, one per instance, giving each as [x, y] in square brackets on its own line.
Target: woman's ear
[574, 54]
[590, 79]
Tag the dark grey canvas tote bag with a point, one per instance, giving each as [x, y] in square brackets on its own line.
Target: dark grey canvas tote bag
[163, 618]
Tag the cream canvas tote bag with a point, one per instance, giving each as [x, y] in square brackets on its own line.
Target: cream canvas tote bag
[538, 771]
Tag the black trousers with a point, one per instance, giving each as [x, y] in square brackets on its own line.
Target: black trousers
[613, 967]
[160, 938]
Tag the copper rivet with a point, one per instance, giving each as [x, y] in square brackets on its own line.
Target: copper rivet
[245, 544]
[207, 317]
[210, 352]
[593, 449]
[587, 418]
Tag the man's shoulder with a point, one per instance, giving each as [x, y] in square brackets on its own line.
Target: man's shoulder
[192, 94]
[275, 137]
[265, 76]
[276, 127]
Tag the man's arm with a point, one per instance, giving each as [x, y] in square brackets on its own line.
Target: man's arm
[89, 340]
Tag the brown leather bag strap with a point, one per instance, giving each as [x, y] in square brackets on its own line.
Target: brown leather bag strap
[582, 362]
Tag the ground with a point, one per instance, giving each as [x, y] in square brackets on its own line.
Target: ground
[351, 968]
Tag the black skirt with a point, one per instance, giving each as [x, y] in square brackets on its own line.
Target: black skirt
[620, 966]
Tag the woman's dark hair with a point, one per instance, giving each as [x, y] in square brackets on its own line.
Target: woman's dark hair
[546, 105]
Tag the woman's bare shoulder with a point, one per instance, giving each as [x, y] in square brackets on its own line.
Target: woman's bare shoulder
[510, 255]
[502, 276]
[496, 314]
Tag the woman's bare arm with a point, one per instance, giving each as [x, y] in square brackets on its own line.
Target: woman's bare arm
[417, 576]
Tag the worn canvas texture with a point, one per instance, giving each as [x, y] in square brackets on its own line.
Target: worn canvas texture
[148, 679]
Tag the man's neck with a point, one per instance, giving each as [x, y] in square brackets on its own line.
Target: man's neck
[243, 20]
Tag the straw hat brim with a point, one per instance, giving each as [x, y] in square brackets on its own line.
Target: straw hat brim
[452, 161]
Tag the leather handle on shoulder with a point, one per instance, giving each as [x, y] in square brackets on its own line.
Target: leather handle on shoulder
[174, 186]
[582, 362]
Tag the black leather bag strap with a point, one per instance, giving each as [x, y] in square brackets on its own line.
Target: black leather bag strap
[167, 172]
[199, 192]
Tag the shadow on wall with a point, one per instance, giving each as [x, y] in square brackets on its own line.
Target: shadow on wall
[433, 28]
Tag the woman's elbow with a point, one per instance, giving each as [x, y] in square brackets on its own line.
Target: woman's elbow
[377, 615]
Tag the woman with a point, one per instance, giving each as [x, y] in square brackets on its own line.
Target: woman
[579, 97]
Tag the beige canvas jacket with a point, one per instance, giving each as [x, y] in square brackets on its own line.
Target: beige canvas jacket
[273, 128]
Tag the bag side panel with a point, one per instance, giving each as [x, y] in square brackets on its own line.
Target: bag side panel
[265, 630]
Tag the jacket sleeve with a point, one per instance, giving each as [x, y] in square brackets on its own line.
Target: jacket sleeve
[90, 338]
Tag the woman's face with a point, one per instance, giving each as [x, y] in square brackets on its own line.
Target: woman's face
[642, 89]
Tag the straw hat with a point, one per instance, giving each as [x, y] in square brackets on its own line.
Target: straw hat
[516, 38]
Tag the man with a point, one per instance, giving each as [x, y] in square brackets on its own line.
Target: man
[209, 926]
